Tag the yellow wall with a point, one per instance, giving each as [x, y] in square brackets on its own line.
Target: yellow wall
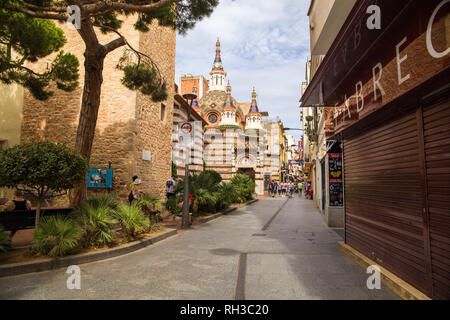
[11, 105]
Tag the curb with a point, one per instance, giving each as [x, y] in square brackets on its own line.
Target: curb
[400, 287]
[51, 264]
[226, 211]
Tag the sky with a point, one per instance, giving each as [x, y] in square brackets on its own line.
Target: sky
[265, 44]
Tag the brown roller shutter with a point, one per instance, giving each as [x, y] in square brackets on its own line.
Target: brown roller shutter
[436, 130]
[385, 199]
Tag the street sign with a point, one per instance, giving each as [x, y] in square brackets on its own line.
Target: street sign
[186, 134]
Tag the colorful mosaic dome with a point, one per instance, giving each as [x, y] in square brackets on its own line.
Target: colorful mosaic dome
[215, 101]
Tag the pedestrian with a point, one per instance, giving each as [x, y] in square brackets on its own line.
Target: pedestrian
[191, 208]
[17, 204]
[280, 189]
[170, 187]
[269, 188]
[130, 189]
[274, 189]
[135, 192]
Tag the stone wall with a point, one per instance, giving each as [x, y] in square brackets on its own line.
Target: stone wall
[128, 122]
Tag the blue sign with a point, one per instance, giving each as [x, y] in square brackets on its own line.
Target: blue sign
[100, 178]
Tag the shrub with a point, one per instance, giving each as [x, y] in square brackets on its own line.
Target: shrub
[5, 240]
[41, 167]
[95, 216]
[245, 187]
[56, 236]
[227, 194]
[131, 219]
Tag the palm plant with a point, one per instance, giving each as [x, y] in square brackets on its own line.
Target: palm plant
[95, 216]
[245, 187]
[228, 194]
[56, 236]
[5, 240]
[131, 219]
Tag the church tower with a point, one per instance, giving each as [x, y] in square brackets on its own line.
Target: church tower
[228, 111]
[218, 78]
[253, 118]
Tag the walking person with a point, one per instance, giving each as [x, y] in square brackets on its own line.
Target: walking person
[170, 187]
[130, 189]
[135, 193]
[274, 189]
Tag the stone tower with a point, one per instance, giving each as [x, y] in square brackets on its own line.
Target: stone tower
[129, 126]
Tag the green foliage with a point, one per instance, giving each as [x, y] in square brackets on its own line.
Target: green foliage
[174, 170]
[144, 78]
[95, 216]
[245, 187]
[56, 236]
[228, 194]
[25, 39]
[131, 219]
[172, 205]
[41, 166]
[5, 240]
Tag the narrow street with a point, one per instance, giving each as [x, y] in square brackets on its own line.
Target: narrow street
[273, 249]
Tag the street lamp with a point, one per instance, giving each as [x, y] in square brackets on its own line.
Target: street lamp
[185, 219]
[292, 129]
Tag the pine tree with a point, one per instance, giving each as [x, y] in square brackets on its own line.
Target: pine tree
[28, 33]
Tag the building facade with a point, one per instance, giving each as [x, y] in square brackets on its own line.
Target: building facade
[133, 132]
[236, 137]
[390, 93]
[326, 19]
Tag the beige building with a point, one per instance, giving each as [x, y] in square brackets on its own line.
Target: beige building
[132, 132]
[180, 110]
[326, 18]
[237, 139]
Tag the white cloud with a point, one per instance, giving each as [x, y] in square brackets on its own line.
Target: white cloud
[265, 43]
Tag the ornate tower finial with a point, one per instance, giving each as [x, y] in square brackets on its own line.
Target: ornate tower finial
[217, 81]
[229, 88]
[254, 106]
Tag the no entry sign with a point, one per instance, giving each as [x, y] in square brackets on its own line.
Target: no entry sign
[186, 128]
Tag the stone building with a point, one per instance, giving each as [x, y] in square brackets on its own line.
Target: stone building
[236, 139]
[132, 132]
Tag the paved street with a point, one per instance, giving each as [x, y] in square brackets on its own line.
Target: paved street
[294, 257]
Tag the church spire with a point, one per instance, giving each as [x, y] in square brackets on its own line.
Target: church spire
[217, 81]
[217, 65]
[254, 106]
[228, 105]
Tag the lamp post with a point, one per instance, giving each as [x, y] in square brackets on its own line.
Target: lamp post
[185, 218]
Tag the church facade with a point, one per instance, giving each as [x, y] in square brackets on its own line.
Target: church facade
[236, 138]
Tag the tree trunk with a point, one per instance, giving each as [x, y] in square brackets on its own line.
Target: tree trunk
[38, 213]
[89, 111]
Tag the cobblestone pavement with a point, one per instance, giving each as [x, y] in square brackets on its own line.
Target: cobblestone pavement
[273, 249]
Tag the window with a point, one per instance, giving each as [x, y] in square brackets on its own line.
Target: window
[212, 118]
[3, 144]
[163, 112]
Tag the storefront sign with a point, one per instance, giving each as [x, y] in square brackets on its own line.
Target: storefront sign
[335, 180]
[368, 68]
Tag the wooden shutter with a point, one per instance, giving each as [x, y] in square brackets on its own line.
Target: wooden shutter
[384, 198]
[436, 130]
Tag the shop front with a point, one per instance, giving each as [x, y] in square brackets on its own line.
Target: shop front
[391, 96]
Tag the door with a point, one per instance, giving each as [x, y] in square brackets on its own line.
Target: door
[324, 184]
[436, 131]
[384, 198]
